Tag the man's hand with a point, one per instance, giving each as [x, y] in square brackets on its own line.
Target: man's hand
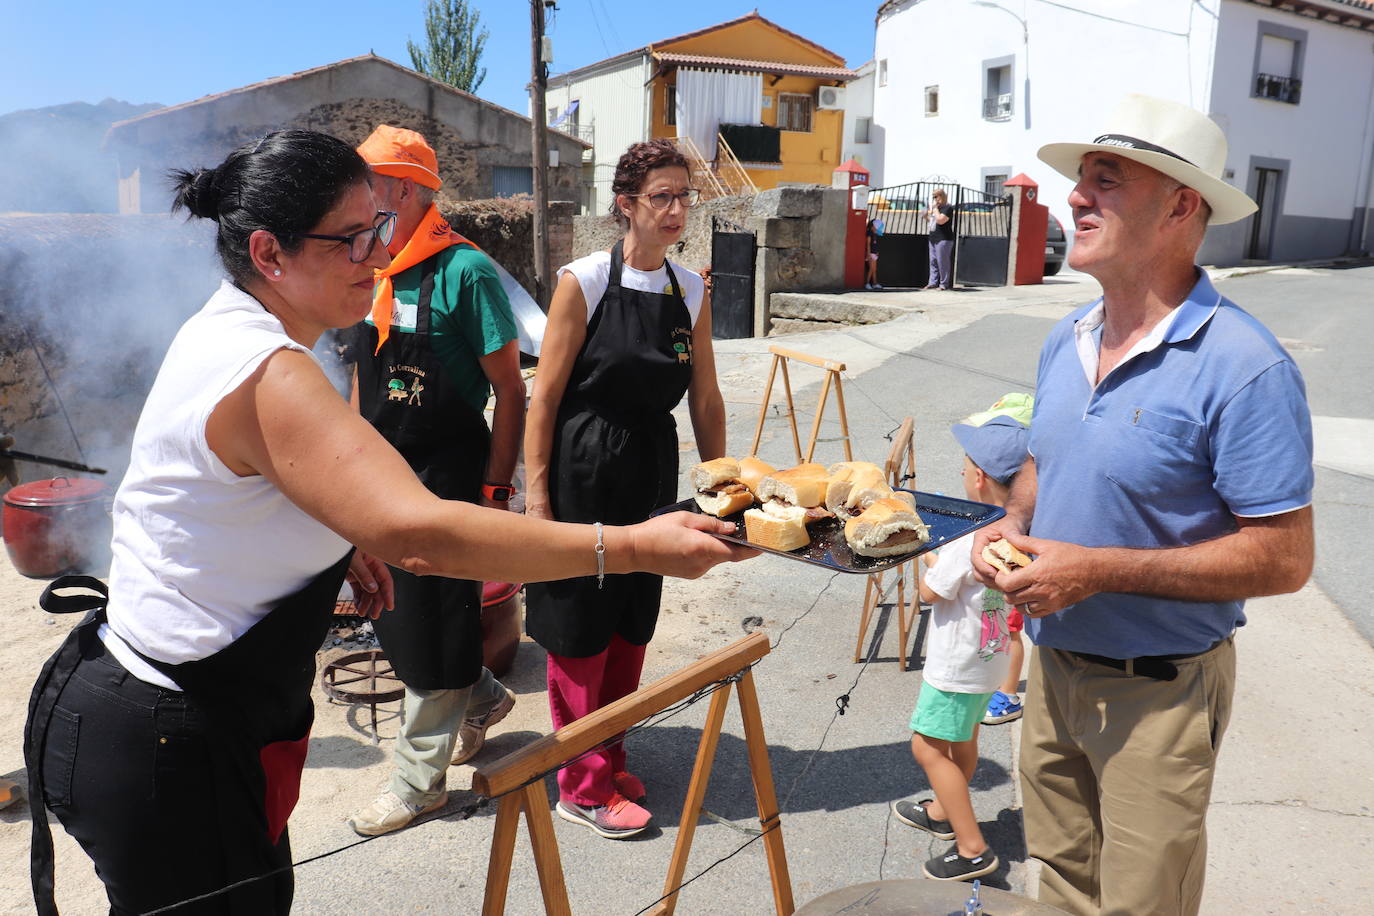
[1005, 527]
[1062, 574]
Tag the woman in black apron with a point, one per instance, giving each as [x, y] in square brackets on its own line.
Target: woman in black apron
[601, 445]
[177, 775]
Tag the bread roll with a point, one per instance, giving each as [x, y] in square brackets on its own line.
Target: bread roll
[803, 485]
[854, 486]
[752, 471]
[722, 504]
[887, 528]
[776, 527]
[1003, 556]
[708, 474]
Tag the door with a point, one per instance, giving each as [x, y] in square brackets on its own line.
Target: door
[1262, 223]
[732, 281]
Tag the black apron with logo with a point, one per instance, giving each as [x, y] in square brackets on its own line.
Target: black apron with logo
[433, 638]
[614, 458]
[255, 693]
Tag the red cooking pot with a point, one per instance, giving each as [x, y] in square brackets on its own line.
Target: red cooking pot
[500, 625]
[56, 526]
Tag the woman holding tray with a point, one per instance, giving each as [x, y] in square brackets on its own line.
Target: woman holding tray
[169, 731]
[629, 334]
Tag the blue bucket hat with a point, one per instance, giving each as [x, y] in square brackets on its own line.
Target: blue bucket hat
[998, 445]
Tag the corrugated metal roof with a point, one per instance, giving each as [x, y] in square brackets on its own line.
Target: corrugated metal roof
[756, 66]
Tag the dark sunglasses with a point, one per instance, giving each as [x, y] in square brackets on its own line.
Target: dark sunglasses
[360, 243]
[662, 200]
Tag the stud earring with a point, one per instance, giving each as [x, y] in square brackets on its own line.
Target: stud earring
[277, 272]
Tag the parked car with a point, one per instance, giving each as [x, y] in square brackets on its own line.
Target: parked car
[1055, 246]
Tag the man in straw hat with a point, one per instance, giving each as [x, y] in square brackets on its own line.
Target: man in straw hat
[1170, 479]
[441, 337]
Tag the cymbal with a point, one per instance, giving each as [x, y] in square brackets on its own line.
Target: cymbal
[921, 897]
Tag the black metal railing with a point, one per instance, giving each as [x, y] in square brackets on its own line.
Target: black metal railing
[753, 142]
[1279, 88]
[904, 210]
[997, 107]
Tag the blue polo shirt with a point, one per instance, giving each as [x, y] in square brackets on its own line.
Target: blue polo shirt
[1205, 420]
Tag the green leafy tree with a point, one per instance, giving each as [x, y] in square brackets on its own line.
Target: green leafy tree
[453, 45]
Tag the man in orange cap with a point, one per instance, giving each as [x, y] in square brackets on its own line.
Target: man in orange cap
[440, 339]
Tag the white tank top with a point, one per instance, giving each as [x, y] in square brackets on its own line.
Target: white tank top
[593, 274]
[201, 554]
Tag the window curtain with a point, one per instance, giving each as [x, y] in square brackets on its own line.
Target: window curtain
[708, 98]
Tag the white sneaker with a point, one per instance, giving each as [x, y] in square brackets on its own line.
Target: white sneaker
[391, 812]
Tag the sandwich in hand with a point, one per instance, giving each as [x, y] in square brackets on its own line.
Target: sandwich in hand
[854, 486]
[719, 489]
[1003, 556]
[887, 528]
[801, 487]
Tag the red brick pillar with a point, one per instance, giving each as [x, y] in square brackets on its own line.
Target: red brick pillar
[1029, 227]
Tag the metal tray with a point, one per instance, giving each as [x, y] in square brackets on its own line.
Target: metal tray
[949, 519]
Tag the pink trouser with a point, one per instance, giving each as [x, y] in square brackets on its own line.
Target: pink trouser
[579, 687]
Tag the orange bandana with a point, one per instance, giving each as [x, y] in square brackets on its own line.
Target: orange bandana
[432, 236]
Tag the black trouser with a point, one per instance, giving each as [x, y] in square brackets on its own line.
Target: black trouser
[130, 772]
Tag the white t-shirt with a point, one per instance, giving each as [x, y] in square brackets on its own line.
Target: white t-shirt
[966, 651]
[593, 274]
[201, 554]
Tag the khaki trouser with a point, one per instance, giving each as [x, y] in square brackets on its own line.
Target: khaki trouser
[1117, 775]
[430, 720]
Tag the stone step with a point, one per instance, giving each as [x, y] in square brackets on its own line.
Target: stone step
[831, 308]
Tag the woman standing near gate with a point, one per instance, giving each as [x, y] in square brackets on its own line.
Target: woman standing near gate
[629, 333]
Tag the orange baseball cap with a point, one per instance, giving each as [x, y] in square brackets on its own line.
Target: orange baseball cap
[401, 153]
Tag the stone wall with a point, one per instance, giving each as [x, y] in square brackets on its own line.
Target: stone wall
[503, 228]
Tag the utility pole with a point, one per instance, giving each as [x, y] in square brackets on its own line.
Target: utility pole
[543, 270]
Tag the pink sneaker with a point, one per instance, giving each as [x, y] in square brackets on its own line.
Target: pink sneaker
[617, 819]
[628, 786]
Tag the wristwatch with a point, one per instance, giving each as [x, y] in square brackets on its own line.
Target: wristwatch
[498, 492]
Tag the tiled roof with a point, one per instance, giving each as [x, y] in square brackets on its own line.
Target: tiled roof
[754, 16]
[756, 66]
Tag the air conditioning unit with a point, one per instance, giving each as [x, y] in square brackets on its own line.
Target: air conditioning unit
[830, 98]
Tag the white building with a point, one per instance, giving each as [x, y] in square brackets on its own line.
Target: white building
[1290, 81]
[862, 141]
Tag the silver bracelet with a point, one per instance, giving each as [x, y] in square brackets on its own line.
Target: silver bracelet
[600, 557]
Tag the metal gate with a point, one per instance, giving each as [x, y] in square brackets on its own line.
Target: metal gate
[732, 280]
[982, 234]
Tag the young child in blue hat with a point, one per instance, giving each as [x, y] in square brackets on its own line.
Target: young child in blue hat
[967, 656]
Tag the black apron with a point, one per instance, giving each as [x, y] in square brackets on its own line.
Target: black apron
[614, 458]
[433, 638]
[255, 692]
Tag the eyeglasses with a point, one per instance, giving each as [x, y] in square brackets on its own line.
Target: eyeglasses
[360, 243]
[662, 200]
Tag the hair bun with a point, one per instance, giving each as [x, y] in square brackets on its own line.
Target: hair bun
[197, 192]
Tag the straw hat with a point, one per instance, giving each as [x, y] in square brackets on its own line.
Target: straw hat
[1179, 141]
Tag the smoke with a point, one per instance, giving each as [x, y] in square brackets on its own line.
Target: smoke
[88, 305]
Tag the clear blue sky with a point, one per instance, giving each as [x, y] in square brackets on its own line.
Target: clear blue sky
[157, 51]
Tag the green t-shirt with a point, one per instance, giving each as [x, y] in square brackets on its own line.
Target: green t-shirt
[470, 315]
